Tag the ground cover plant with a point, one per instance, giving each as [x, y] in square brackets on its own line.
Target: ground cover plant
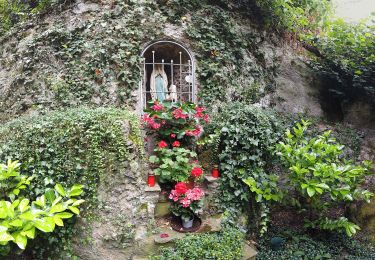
[300, 244]
[228, 244]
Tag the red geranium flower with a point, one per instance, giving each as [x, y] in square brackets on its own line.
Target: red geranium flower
[157, 106]
[196, 172]
[173, 135]
[178, 113]
[176, 144]
[181, 188]
[162, 144]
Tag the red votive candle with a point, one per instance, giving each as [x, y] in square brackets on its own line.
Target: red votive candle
[151, 180]
[215, 172]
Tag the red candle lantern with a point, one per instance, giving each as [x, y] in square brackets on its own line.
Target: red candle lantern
[215, 172]
[151, 179]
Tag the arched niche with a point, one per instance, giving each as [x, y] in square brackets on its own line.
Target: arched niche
[167, 73]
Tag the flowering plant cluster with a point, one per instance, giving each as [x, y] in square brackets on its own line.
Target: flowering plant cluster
[186, 202]
[176, 164]
[176, 126]
[174, 121]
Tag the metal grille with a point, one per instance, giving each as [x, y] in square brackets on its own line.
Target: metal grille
[179, 73]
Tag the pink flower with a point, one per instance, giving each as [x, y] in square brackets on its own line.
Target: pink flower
[185, 202]
[157, 106]
[155, 125]
[199, 111]
[164, 235]
[174, 195]
[178, 113]
[195, 132]
[176, 144]
[162, 144]
[196, 172]
[194, 194]
[173, 135]
[206, 118]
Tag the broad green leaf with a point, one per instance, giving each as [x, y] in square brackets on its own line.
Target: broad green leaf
[29, 233]
[58, 221]
[74, 209]
[64, 215]
[46, 224]
[24, 205]
[16, 223]
[78, 202]
[27, 216]
[5, 237]
[310, 191]
[57, 208]
[21, 241]
[60, 189]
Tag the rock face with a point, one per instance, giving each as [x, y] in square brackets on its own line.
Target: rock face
[297, 89]
[123, 218]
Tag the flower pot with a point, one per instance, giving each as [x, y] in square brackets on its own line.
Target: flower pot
[187, 223]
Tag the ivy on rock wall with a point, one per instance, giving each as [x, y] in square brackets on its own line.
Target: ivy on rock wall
[76, 146]
[95, 61]
[89, 61]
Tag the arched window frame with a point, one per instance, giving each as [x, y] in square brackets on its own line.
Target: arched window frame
[142, 84]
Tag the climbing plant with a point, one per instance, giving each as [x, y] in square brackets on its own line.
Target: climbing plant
[247, 137]
[76, 146]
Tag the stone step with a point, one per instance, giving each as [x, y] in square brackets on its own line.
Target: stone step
[249, 253]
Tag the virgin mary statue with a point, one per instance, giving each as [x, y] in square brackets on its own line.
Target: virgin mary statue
[159, 83]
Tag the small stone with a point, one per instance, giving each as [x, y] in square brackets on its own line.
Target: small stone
[211, 224]
[140, 233]
[249, 253]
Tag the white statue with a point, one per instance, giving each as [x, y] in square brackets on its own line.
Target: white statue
[159, 83]
[173, 93]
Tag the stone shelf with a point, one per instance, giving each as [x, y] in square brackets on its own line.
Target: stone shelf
[156, 188]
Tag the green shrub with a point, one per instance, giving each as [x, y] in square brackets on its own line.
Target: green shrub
[20, 218]
[74, 146]
[227, 244]
[247, 137]
[321, 177]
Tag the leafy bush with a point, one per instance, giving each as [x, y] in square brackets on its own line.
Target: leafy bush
[247, 137]
[348, 56]
[321, 177]
[298, 244]
[20, 218]
[75, 146]
[227, 244]
[174, 165]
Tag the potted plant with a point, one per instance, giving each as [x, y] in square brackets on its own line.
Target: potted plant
[186, 203]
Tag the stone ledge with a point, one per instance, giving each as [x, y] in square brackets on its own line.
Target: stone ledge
[156, 188]
[211, 179]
